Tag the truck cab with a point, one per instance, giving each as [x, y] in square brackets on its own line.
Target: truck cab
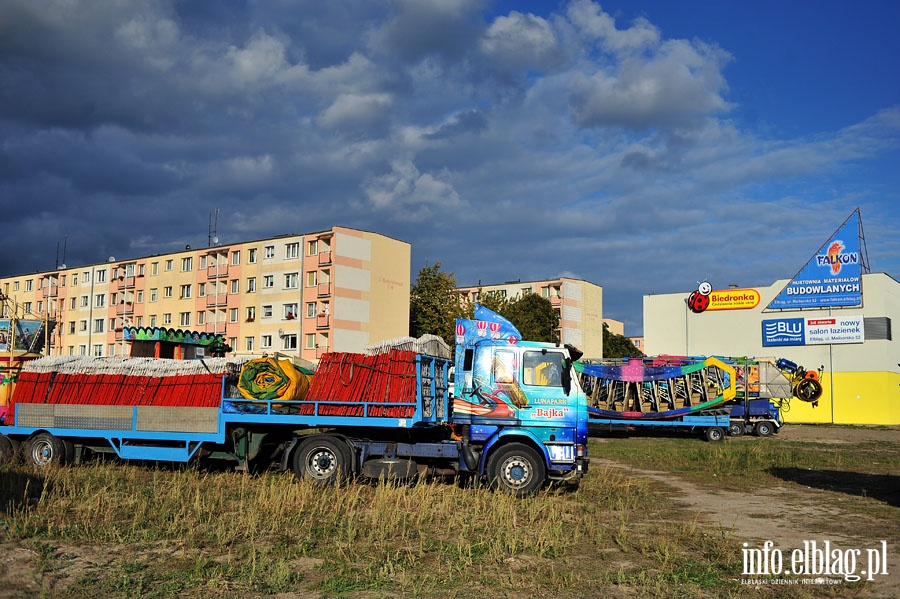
[521, 410]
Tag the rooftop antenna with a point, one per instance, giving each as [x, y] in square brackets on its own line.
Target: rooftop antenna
[213, 238]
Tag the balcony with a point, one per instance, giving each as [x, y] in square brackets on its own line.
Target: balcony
[322, 321]
[123, 308]
[324, 258]
[217, 327]
[217, 271]
[320, 351]
[126, 282]
[216, 299]
[324, 289]
[49, 292]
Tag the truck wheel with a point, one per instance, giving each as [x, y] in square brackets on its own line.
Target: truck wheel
[44, 449]
[9, 450]
[516, 468]
[764, 428]
[715, 434]
[736, 429]
[324, 460]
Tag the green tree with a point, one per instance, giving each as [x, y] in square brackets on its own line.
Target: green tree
[618, 346]
[434, 304]
[535, 318]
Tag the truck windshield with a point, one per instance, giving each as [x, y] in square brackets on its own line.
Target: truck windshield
[543, 369]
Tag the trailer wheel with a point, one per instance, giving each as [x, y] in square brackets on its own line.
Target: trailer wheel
[44, 449]
[516, 468]
[736, 429]
[764, 428]
[324, 460]
[9, 450]
[714, 434]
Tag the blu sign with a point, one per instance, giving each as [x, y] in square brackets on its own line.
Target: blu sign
[813, 331]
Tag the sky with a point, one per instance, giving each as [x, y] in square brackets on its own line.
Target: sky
[643, 146]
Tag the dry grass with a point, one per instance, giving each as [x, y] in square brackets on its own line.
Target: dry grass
[121, 530]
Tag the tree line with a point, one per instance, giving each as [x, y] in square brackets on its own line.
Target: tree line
[434, 306]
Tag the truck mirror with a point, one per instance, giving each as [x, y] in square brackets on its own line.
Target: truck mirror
[567, 376]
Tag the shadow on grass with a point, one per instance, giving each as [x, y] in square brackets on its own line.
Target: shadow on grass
[18, 489]
[883, 487]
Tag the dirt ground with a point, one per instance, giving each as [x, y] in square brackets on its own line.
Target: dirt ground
[801, 509]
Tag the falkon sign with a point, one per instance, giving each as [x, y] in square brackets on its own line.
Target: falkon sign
[831, 278]
[813, 331]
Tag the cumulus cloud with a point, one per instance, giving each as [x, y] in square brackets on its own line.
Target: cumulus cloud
[407, 194]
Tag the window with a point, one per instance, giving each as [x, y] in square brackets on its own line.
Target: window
[251, 313]
[140, 321]
[267, 311]
[251, 256]
[235, 287]
[100, 300]
[98, 325]
[185, 318]
[74, 281]
[153, 320]
[310, 309]
[270, 251]
[167, 291]
[291, 251]
[233, 315]
[201, 317]
[98, 350]
[170, 264]
[40, 307]
[153, 295]
[201, 289]
[312, 248]
[290, 280]
[72, 303]
[290, 342]
[249, 343]
[311, 341]
[85, 301]
[290, 311]
[71, 327]
[312, 278]
[251, 285]
[140, 296]
[185, 292]
[232, 342]
[82, 326]
[202, 262]
[141, 269]
[544, 370]
[268, 281]
[167, 318]
[187, 264]
[112, 350]
[29, 285]
[100, 276]
[235, 257]
[154, 268]
[62, 281]
[266, 341]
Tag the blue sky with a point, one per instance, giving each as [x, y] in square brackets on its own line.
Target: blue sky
[642, 146]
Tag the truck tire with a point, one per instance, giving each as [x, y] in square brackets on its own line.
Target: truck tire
[736, 429]
[44, 449]
[517, 469]
[715, 434]
[764, 428]
[9, 450]
[323, 460]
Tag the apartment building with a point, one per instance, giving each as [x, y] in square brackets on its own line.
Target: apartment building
[301, 295]
[578, 303]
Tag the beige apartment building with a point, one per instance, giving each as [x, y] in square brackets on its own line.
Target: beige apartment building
[301, 295]
[578, 303]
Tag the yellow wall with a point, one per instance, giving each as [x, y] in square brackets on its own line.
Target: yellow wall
[859, 398]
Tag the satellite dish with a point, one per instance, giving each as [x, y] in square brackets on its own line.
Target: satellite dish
[112, 258]
[63, 266]
[215, 241]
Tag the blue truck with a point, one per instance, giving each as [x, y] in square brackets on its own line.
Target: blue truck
[517, 418]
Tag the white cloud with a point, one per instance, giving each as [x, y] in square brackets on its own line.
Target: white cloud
[521, 42]
[355, 110]
[410, 195]
[589, 18]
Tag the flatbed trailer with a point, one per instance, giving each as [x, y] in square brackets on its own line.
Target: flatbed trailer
[713, 425]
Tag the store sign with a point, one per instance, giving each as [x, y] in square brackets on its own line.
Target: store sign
[733, 299]
[832, 277]
[813, 331]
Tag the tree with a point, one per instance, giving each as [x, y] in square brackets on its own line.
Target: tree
[618, 346]
[535, 318]
[434, 304]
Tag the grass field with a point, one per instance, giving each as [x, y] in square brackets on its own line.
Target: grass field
[110, 529]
